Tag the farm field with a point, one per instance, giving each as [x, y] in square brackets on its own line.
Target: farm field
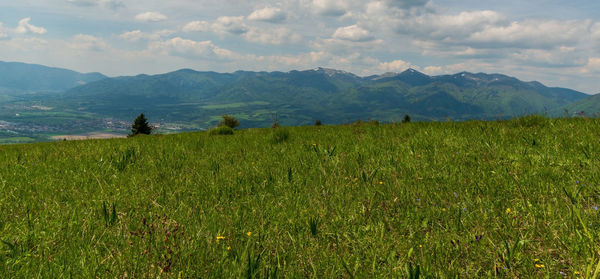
[507, 199]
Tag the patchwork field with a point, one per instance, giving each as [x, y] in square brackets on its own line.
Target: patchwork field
[507, 199]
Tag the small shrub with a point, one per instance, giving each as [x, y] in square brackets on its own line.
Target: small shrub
[280, 135]
[313, 224]
[318, 122]
[406, 118]
[275, 125]
[221, 130]
[374, 122]
[229, 121]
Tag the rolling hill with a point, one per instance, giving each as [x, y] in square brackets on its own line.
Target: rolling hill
[300, 97]
[589, 106]
[18, 78]
[38, 102]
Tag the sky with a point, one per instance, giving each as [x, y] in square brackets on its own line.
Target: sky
[551, 41]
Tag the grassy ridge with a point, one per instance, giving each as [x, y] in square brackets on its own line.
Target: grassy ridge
[514, 198]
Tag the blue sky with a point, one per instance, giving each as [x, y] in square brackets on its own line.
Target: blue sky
[555, 42]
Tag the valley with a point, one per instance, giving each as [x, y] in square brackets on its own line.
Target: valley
[188, 100]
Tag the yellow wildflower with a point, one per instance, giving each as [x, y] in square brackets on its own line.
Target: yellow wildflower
[577, 273]
[508, 211]
[444, 209]
[420, 246]
[380, 182]
[539, 265]
[228, 247]
[220, 237]
[249, 233]
[314, 144]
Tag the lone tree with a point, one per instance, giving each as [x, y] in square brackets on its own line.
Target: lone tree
[229, 121]
[406, 118]
[140, 126]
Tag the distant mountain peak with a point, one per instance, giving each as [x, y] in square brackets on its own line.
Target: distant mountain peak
[411, 71]
[332, 72]
[24, 77]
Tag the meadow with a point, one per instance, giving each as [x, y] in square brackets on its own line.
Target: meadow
[508, 199]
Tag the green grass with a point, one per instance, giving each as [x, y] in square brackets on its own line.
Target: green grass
[4, 140]
[507, 199]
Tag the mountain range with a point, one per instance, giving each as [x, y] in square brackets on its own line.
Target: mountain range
[301, 97]
[195, 100]
[21, 78]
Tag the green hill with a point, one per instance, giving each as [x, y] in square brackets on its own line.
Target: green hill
[191, 100]
[589, 106]
[300, 97]
[18, 78]
[475, 199]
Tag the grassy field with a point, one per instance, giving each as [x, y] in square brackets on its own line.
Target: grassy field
[507, 199]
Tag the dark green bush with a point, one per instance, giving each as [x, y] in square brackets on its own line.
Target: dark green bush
[229, 121]
[221, 130]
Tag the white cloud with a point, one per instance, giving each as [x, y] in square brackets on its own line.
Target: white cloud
[330, 7]
[353, 33]
[532, 34]
[236, 26]
[23, 45]
[346, 47]
[87, 43]
[25, 27]
[276, 36]
[230, 24]
[223, 25]
[196, 26]
[559, 57]
[395, 66]
[479, 29]
[151, 17]
[268, 14]
[440, 26]
[453, 68]
[136, 35]
[193, 49]
[592, 66]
